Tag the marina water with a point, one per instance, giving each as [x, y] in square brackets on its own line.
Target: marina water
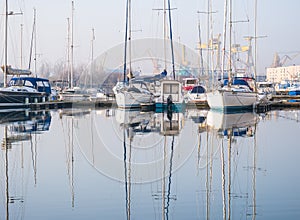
[117, 164]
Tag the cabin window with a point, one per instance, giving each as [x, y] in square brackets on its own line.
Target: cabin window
[46, 84]
[28, 84]
[191, 82]
[40, 86]
[171, 89]
[16, 82]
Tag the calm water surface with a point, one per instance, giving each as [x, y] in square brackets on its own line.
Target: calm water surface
[116, 164]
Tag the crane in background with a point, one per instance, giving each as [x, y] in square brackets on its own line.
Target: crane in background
[282, 61]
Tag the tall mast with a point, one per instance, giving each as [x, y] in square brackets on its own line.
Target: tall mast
[230, 41]
[224, 38]
[171, 39]
[125, 44]
[33, 42]
[129, 36]
[5, 44]
[208, 36]
[6, 41]
[210, 40]
[21, 48]
[165, 33]
[68, 53]
[201, 67]
[92, 55]
[255, 39]
[92, 42]
[72, 46]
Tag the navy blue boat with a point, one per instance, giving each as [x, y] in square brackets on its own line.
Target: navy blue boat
[26, 90]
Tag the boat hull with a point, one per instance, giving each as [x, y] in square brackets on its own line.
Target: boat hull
[174, 107]
[125, 99]
[224, 100]
[21, 97]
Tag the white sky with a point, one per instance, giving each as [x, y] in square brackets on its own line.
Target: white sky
[279, 20]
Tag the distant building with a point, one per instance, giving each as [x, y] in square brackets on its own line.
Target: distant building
[284, 73]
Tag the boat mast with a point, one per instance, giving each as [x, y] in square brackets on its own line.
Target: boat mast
[210, 45]
[224, 39]
[68, 53]
[165, 33]
[129, 37]
[5, 44]
[125, 44]
[201, 67]
[35, 54]
[255, 39]
[5, 69]
[171, 39]
[92, 55]
[33, 38]
[21, 47]
[72, 46]
[230, 41]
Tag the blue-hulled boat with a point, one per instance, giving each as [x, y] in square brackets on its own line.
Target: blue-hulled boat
[26, 90]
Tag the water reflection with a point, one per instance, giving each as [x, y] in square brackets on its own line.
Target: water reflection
[19, 128]
[155, 145]
[231, 130]
[130, 164]
[145, 132]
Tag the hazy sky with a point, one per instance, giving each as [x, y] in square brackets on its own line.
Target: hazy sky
[279, 20]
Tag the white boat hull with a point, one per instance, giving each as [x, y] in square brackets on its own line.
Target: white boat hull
[125, 99]
[196, 98]
[231, 100]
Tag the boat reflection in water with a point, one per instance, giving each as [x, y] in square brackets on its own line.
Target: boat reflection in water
[238, 124]
[21, 125]
[121, 164]
[229, 134]
[19, 129]
[136, 147]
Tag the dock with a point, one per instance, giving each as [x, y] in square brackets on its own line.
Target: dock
[278, 102]
[58, 104]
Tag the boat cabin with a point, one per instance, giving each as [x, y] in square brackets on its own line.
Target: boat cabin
[189, 83]
[40, 84]
[265, 87]
[171, 89]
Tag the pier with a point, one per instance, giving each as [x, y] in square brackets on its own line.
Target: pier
[278, 102]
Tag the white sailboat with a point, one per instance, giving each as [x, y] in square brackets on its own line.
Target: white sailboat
[72, 93]
[127, 94]
[231, 98]
[236, 95]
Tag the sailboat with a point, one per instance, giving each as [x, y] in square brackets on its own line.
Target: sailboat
[72, 93]
[171, 97]
[22, 88]
[236, 94]
[127, 94]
